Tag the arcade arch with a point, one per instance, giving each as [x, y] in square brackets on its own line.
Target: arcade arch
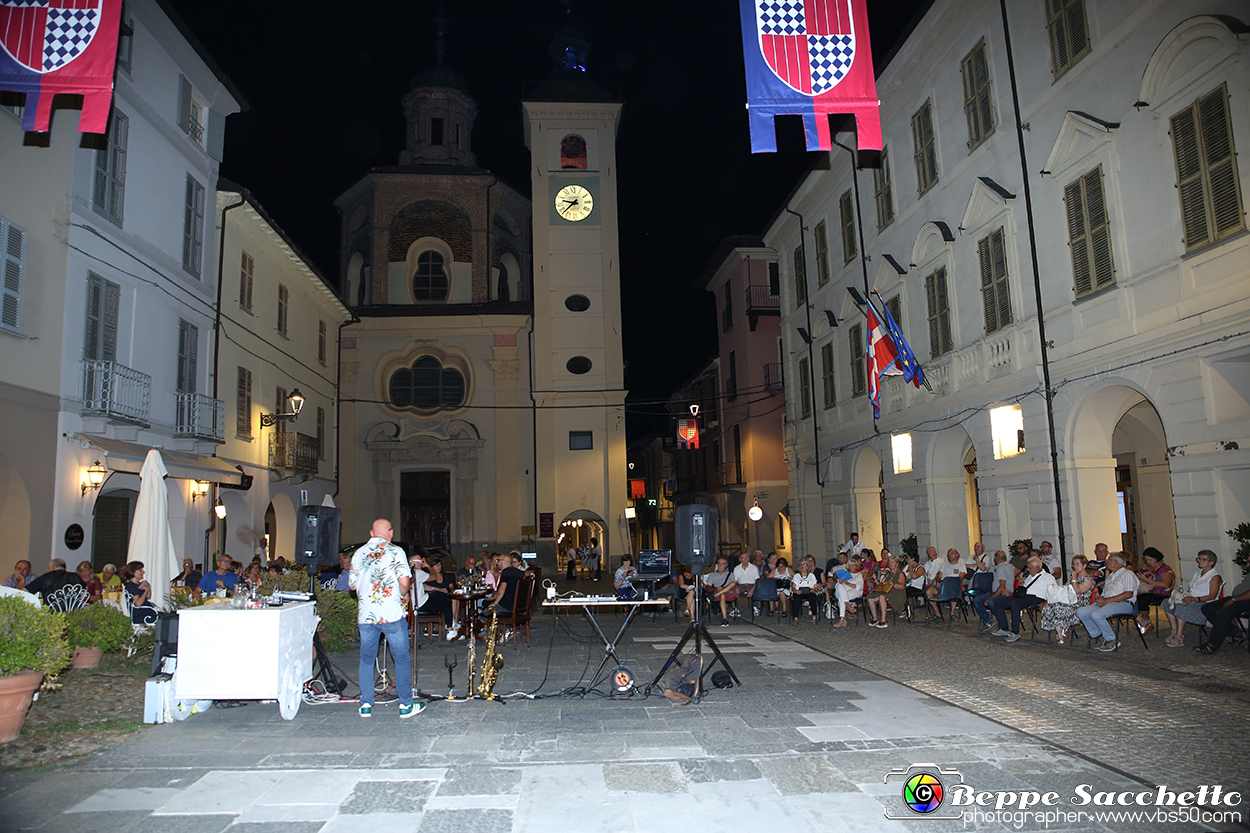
[869, 500]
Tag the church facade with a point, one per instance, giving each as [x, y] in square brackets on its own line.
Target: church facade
[482, 402]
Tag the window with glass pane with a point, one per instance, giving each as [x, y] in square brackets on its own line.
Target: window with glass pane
[108, 195]
[430, 281]
[427, 385]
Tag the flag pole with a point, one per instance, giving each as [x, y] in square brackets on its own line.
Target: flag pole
[859, 225]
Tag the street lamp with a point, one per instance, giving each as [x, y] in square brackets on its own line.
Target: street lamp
[95, 477]
[199, 489]
[296, 400]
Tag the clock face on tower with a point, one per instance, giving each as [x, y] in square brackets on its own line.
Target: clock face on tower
[574, 203]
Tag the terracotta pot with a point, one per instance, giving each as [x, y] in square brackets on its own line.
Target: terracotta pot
[86, 658]
[15, 696]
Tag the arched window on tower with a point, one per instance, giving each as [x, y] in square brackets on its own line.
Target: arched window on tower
[573, 152]
[502, 293]
[429, 283]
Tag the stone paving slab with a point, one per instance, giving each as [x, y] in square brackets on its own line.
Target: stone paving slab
[807, 742]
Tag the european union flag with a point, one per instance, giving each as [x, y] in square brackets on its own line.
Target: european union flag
[912, 371]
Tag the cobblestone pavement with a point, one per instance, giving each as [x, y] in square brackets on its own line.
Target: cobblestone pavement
[819, 736]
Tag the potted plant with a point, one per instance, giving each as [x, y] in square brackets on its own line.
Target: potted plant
[32, 643]
[94, 630]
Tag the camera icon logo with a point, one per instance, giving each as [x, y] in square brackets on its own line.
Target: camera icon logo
[922, 788]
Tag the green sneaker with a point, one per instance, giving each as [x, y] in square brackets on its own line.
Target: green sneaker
[1096, 643]
[410, 710]
[366, 711]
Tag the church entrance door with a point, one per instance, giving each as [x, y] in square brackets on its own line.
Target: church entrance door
[425, 507]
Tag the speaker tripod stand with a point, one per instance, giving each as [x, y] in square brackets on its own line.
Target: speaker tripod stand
[699, 632]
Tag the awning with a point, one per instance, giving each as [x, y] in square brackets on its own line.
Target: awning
[128, 457]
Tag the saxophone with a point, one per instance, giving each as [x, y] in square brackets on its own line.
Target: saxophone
[468, 692]
[491, 663]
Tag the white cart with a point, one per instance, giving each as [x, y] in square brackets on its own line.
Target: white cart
[229, 654]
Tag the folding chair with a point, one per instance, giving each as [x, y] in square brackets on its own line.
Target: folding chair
[951, 591]
[766, 593]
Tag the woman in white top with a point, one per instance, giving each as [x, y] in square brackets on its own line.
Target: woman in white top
[803, 589]
[848, 590]
[784, 576]
[1204, 587]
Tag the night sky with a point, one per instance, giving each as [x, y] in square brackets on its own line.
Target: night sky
[324, 88]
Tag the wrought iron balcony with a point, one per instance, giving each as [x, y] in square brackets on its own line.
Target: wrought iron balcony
[774, 382]
[115, 391]
[761, 301]
[201, 417]
[292, 451]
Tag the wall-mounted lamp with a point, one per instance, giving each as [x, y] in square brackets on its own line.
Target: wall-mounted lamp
[631, 466]
[630, 512]
[755, 513]
[297, 404]
[95, 477]
[803, 334]
[694, 410]
[199, 489]
[833, 321]
[219, 509]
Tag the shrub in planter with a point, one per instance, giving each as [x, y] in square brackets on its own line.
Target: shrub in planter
[337, 610]
[31, 639]
[295, 581]
[97, 626]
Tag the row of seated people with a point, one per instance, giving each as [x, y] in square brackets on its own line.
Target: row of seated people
[62, 590]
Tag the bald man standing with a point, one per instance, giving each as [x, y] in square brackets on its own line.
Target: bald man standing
[380, 576]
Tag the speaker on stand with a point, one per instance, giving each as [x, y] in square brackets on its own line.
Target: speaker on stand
[697, 540]
[317, 545]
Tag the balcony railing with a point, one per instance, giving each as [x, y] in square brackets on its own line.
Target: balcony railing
[116, 391]
[297, 452]
[201, 417]
[773, 380]
[761, 301]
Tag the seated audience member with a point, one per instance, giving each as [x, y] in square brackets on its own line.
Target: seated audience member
[109, 578]
[932, 566]
[719, 589]
[21, 575]
[783, 575]
[847, 590]
[1033, 584]
[745, 575]
[137, 589]
[1116, 597]
[1020, 558]
[953, 568]
[1050, 560]
[1156, 579]
[223, 578]
[1004, 585]
[56, 578]
[976, 562]
[887, 590]
[509, 582]
[822, 588]
[467, 571]
[438, 588]
[803, 590]
[93, 585]
[1204, 587]
[189, 577]
[1060, 617]
[624, 576]
[253, 576]
[345, 572]
[1221, 613]
[491, 576]
[916, 577]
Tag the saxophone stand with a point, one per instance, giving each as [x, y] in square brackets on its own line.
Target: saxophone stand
[699, 632]
[471, 691]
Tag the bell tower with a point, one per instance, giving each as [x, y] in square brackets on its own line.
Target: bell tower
[571, 124]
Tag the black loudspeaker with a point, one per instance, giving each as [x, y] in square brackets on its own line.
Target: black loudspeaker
[317, 536]
[697, 535]
[166, 631]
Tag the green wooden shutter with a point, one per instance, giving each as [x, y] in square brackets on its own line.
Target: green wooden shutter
[14, 254]
[1220, 163]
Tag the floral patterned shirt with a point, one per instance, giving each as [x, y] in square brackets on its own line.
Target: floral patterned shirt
[376, 570]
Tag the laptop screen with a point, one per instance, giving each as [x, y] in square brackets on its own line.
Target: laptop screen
[655, 562]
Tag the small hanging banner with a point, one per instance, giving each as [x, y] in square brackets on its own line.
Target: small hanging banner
[809, 58]
[687, 433]
[60, 46]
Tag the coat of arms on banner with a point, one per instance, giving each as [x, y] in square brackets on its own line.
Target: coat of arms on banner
[808, 44]
[45, 35]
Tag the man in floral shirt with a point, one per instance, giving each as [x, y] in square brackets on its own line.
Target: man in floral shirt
[380, 576]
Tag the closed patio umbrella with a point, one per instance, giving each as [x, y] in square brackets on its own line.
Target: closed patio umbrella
[150, 539]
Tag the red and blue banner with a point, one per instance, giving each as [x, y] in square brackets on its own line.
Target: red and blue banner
[809, 58]
[888, 354]
[60, 46]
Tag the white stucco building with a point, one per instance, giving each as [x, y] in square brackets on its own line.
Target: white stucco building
[1132, 114]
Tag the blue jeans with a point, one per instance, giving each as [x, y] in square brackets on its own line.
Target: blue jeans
[397, 637]
[1094, 618]
[980, 603]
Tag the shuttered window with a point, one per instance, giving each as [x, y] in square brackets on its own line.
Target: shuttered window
[281, 406]
[822, 254]
[883, 188]
[108, 192]
[100, 332]
[926, 147]
[992, 254]
[247, 272]
[284, 300]
[193, 228]
[805, 388]
[1089, 235]
[243, 407]
[827, 375]
[939, 313]
[800, 276]
[321, 433]
[846, 213]
[978, 106]
[1206, 171]
[859, 371]
[321, 342]
[1069, 34]
[13, 239]
[188, 348]
[895, 306]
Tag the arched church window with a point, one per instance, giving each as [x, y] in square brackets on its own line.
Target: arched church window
[427, 385]
[501, 292]
[429, 283]
[573, 152]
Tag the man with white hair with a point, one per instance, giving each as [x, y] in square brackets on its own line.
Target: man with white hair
[1118, 592]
